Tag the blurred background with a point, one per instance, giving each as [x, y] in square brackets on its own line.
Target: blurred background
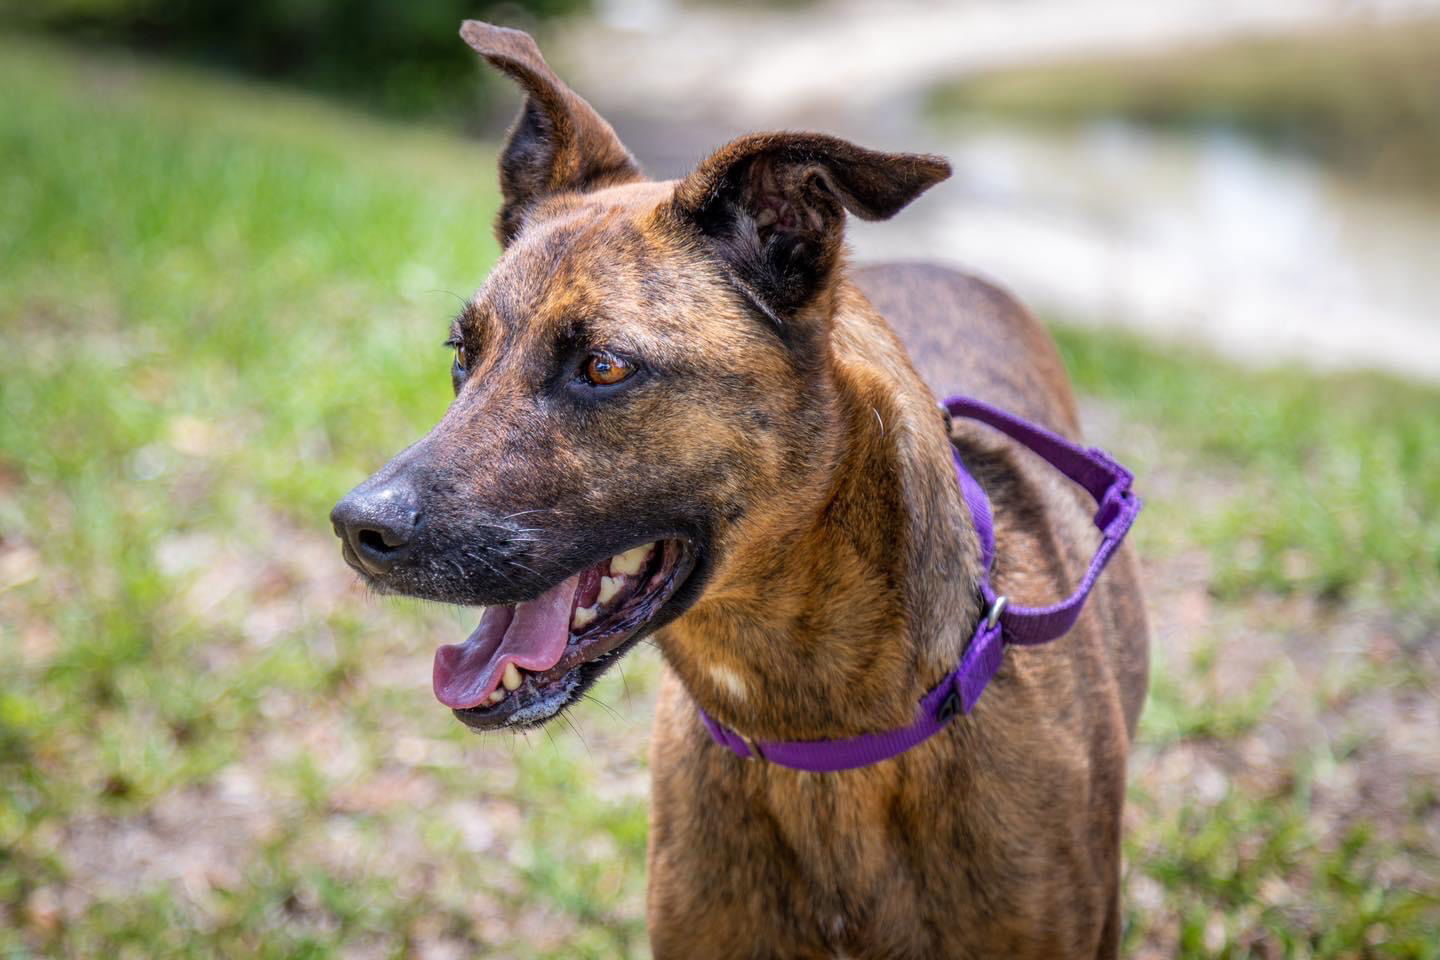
[231, 239]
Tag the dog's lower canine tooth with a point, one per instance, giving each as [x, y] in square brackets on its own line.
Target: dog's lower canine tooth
[583, 617]
[609, 586]
[511, 677]
[497, 696]
[631, 561]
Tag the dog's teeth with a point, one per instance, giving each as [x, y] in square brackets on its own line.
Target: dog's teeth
[511, 677]
[583, 617]
[609, 586]
[497, 696]
[631, 561]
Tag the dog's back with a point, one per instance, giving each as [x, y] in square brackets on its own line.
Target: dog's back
[965, 335]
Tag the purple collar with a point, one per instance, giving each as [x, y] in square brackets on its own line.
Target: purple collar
[1004, 622]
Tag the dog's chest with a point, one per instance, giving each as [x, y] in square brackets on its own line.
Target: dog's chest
[850, 855]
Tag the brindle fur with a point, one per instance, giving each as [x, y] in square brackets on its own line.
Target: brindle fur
[782, 429]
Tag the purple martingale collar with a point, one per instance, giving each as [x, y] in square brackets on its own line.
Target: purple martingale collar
[1102, 477]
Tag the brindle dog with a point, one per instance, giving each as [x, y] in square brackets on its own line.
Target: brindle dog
[679, 412]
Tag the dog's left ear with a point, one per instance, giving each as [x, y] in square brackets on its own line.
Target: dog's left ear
[559, 143]
[773, 207]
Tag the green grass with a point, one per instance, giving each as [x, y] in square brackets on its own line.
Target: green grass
[1366, 98]
[223, 305]
[1335, 480]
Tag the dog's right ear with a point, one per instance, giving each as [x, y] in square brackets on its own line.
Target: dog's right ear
[559, 144]
[772, 207]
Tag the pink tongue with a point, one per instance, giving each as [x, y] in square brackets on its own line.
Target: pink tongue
[533, 634]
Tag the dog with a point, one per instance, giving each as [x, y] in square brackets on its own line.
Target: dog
[680, 413]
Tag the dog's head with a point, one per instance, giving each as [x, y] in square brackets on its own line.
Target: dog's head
[644, 368]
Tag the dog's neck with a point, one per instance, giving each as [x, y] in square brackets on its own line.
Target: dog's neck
[853, 592]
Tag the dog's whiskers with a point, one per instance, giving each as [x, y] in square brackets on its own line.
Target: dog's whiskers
[571, 724]
[463, 302]
[508, 528]
[596, 700]
[481, 558]
[523, 513]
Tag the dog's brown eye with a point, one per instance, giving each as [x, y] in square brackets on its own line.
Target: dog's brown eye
[462, 362]
[604, 369]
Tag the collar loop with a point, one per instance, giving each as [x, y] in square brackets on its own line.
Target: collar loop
[1003, 623]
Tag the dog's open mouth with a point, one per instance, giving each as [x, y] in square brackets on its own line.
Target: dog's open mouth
[525, 661]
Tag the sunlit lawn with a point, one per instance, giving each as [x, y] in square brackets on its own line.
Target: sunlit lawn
[221, 306]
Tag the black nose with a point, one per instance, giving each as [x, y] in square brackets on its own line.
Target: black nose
[377, 521]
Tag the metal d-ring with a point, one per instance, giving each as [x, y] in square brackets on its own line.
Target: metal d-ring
[996, 608]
